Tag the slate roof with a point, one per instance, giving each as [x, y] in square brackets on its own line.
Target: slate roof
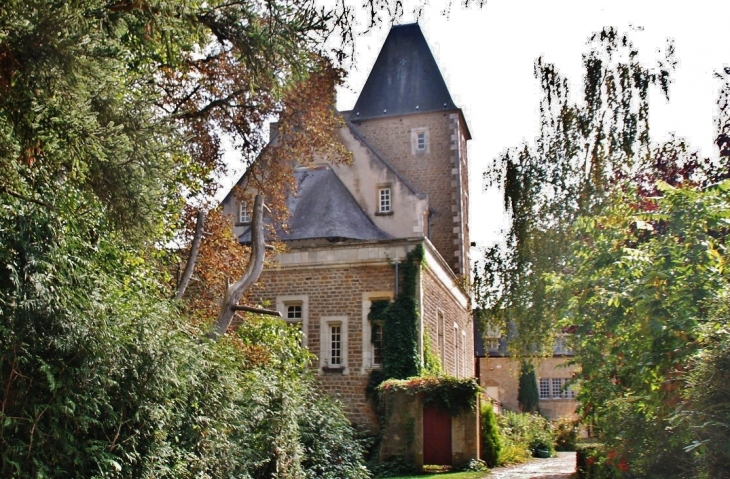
[323, 208]
[405, 78]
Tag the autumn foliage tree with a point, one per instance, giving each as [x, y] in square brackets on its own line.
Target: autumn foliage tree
[111, 118]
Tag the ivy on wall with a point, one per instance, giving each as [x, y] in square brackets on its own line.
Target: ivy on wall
[401, 358]
[449, 394]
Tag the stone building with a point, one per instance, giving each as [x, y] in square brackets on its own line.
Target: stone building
[498, 375]
[352, 225]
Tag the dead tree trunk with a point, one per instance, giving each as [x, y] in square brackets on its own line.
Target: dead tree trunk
[193, 257]
[252, 273]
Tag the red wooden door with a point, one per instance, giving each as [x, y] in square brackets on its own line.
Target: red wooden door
[436, 436]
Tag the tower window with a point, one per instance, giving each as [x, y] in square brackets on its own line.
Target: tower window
[419, 140]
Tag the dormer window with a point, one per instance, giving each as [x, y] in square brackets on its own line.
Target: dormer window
[244, 214]
[384, 200]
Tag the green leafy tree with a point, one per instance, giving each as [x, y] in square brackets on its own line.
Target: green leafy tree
[491, 445]
[527, 395]
[621, 242]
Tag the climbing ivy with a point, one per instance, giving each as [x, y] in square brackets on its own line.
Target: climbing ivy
[449, 394]
[401, 358]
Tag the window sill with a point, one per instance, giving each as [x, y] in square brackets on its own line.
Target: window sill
[386, 213]
[331, 369]
[238, 223]
[374, 367]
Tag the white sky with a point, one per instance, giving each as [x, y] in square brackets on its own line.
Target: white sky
[486, 56]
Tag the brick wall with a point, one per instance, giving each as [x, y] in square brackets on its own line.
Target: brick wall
[335, 291]
[328, 282]
[438, 300]
[430, 172]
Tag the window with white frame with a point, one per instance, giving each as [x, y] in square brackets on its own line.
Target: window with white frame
[457, 353]
[294, 310]
[441, 339]
[244, 214]
[544, 388]
[385, 201]
[492, 338]
[556, 388]
[419, 140]
[372, 329]
[333, 353]
[463, 353]
[335, 344]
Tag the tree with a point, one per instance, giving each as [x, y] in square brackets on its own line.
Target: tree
[619, 241]
[527, 395]
[583, 149]
[110, 118]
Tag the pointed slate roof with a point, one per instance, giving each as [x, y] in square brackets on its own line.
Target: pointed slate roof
[324, 208]
[405, 78]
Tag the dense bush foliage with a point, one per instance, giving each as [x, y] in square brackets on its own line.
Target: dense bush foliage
[566, 434]
[102, 139]
[491, 445]
[98, 378]
[524, 434]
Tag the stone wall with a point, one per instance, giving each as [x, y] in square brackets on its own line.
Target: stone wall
[439, 301]
[500, 375]
[435, 171]
[338, 282]
[403, 433]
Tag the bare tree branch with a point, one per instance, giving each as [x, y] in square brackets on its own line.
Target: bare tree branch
[253, 271]
[193, 257]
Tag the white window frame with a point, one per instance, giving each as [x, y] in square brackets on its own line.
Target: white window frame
[385, 199]
[367, 353]
[244, 214]
[420, 140]
[552, 389]
[325, 353]
[282, 306]
[544, 389]
[463, 353]
[457, 356]
[441, 333]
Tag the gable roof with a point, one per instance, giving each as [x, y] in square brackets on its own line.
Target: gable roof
[324, 208]
[405, 78]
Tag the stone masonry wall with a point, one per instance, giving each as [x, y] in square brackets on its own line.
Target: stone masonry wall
[429, 172]
[503, 374]
[344, 290]
[438, 300]
[335, 291]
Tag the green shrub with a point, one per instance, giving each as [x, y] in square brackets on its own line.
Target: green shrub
[566, 434]
[491, 444]
[531, 431]
[513, 453]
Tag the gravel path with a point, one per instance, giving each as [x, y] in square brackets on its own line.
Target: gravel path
[561, 467]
